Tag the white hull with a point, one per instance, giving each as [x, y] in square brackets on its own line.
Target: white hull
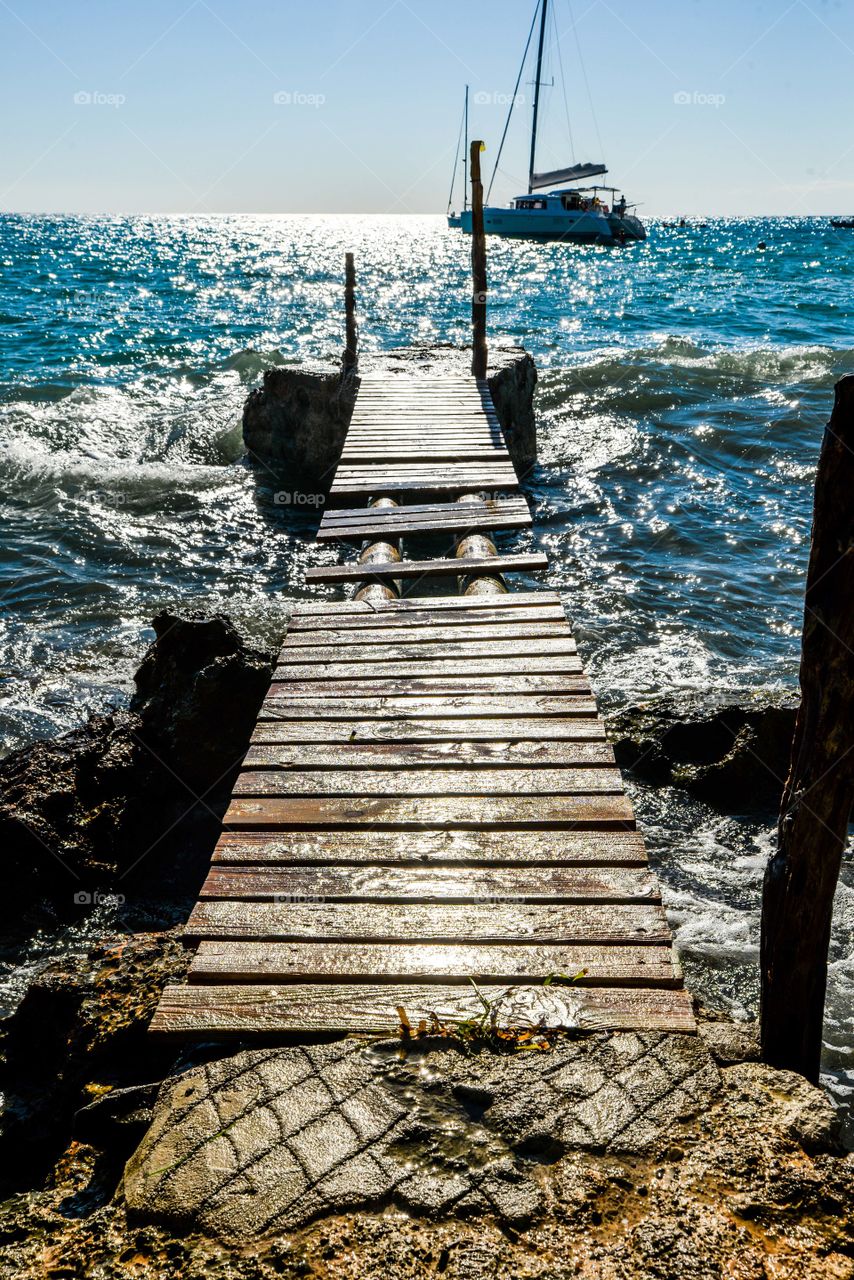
[582, 226]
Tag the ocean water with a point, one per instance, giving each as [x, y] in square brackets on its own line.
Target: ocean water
[684, 384]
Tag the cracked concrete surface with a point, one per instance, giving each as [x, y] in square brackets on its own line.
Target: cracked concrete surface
[270, 1139]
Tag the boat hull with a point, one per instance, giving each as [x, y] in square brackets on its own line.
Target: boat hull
[584, 227]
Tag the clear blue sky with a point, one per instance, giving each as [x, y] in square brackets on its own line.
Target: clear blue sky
[182, 113]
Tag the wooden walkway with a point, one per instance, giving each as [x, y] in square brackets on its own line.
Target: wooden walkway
[429, 797]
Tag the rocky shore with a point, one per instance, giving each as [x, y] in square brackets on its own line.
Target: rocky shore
[614, 1155]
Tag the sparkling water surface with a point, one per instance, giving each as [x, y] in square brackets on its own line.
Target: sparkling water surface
[684, 384]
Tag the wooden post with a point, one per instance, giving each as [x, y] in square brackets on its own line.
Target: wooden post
[801, 876]
[478, 267]
[351, 352]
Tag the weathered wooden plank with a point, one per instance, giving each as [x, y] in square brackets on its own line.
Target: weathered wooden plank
[412, 640]
[401, 707]
[569, 780]
[556, 885]
[437, 732]
[428, 686]
[419, 666]
[422, 526]
[453, 452]
[353, 650]
[441, 604]
[493, 507]
[431, 811]
[278, 962]
[447, 755]
[422, 922]
[422, 848]
[410, 622]
[370, 481]
[375, 685]
[524, 562]
[302, 1009]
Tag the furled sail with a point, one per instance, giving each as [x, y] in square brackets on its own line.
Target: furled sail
[558, 176]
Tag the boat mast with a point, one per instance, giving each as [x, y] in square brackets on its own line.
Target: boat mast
[466, 154]
[544, 7]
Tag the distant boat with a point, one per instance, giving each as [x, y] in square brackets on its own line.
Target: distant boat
[455, 219]
[589, 214]
[842, 224]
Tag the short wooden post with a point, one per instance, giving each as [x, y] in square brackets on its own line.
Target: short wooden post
[801, 876]
[478, 267]
[351, 351]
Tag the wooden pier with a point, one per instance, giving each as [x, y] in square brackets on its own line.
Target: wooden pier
[429, 797]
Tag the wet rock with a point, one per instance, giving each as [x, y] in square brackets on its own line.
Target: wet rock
[800, 1109]
[734, 757]
[271, 1139]
[731, 1042]
[76, 1042]
[296, 422]
[130, 798]
[199, 688]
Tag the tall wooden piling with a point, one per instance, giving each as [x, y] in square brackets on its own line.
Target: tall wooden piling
[478, 267]
[351, 347]
[801, 877]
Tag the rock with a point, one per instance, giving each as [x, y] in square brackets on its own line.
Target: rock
[733, 757]
[273, 1138]
[296, 421]
[731, 1042]
[83, 1022]
[115, 803]
[797, 1108]
[199, 689]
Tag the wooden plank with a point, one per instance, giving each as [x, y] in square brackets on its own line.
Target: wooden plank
[489, 506]
[430, 733]
[529, 562]
[369, 482]
[449, 755]
[376, 685]
[417, 667]
[422, 848]
[575, 812]
[354, 650]
[302, 1009]
[440, 604]
[289, 962]
[419, 639]
[401, 707]
[504, 885]
[406, 623]
[453, 452]
[569, 780]
[422, 922]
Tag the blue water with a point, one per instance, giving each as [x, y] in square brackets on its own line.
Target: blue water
[684, 386]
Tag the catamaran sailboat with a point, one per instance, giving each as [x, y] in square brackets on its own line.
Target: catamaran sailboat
[568, 210]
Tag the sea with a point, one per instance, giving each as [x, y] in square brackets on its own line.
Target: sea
[684, 384]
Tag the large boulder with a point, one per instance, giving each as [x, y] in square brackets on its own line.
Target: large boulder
[733, 756]
[133, 795]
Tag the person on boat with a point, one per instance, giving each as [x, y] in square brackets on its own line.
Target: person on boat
[621, 207]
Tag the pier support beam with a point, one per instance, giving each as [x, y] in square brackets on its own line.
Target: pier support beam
[351, 344]
[379, 552]
[479, 544]
[800, 880]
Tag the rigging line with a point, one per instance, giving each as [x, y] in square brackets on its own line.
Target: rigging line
[586, 81]
[563, 85]
[513, 99]
[456, 161]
